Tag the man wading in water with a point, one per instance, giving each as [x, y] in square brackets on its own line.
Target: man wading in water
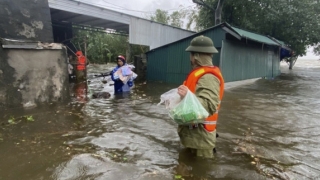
[206, 82]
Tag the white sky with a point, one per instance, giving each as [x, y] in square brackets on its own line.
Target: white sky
[309, 54]
[145, 8]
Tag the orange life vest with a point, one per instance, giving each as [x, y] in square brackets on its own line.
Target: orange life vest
[191, 82]
[81, 64]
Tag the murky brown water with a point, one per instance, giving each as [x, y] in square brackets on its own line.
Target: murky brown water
[268, 129]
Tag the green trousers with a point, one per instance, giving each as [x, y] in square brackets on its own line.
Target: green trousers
[198, 140]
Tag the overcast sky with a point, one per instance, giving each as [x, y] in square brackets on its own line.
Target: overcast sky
[145, 8]
[310, 54]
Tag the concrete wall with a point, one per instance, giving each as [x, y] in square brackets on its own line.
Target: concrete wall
[25, 20]
[29, 77]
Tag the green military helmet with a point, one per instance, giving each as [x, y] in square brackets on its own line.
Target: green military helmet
[202, 44]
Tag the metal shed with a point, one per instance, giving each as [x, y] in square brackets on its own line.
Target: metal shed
[242, 55]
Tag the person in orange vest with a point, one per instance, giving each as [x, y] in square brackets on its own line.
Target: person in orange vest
[206, 82]
[81, 64]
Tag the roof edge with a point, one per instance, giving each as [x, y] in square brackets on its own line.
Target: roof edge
[194, 35]
[277, 41]
[132, 16]
[256, 40]
[229, 29]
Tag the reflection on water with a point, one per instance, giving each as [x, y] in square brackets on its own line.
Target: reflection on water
[268, 130]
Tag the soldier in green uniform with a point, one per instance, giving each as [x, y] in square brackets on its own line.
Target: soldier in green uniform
[196, 137]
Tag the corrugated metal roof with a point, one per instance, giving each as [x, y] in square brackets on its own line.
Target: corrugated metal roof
[254, 36]
[283, 44]
[141, 31]
[238, 33]
[152, 34]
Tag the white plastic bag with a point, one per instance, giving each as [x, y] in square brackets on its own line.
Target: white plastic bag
[187, 111]
[134, 76]
[125, 74]
[170, 99]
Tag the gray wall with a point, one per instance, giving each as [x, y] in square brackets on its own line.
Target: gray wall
[29, 77]
[25, 20]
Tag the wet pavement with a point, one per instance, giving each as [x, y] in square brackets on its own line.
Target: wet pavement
[268, 129]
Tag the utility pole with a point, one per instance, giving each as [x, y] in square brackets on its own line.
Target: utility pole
[217, 11]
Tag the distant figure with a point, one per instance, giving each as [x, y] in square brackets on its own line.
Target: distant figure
[285, 53]
[119, 85]
[81, 66]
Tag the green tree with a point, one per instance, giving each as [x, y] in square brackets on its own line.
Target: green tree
[173, 19]
[176, 19]
[191, 15]
[295, 22]
[316, 50]
[103, 47]
[160, 16]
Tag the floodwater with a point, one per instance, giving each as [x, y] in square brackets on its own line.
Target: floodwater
[268, 129]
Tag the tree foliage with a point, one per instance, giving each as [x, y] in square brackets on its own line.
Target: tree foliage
[173, 19]
[160, 16]
[316, 50]
[176, 19]
[103, 47]
[296, 22]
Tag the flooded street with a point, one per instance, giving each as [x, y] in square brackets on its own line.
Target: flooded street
[268, 129]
